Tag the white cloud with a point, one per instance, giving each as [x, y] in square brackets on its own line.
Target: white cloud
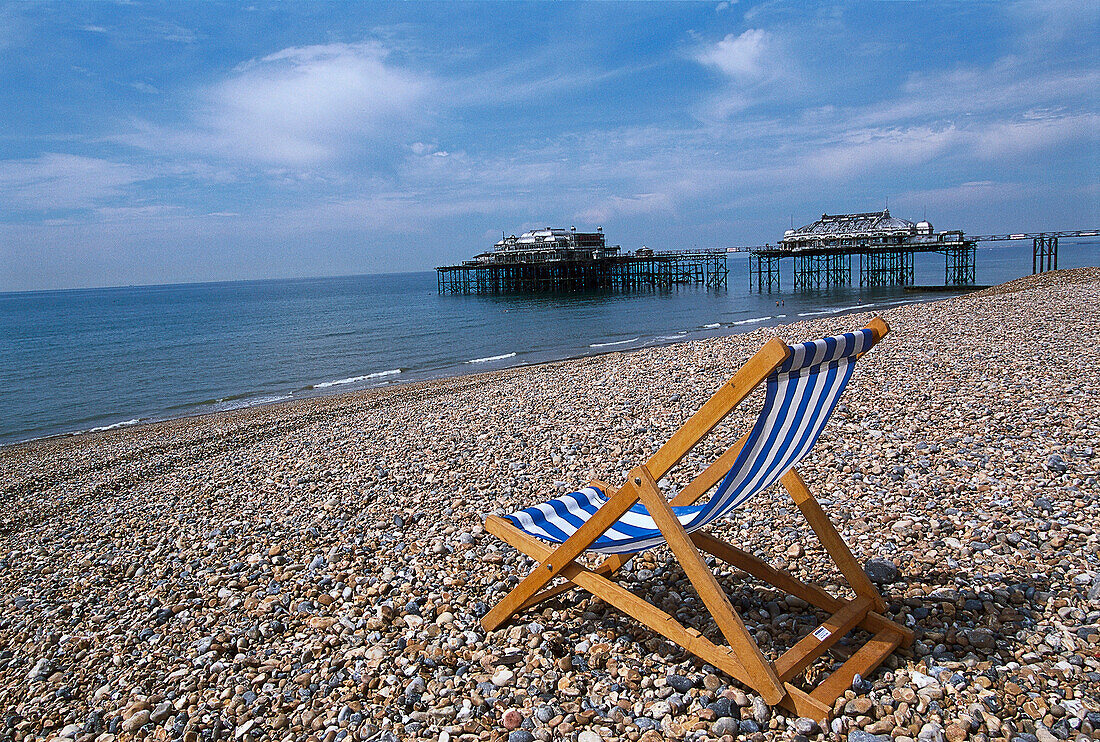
[63, 181]
[740, 57]
[757, 67]
[306, 105]
[301, 107]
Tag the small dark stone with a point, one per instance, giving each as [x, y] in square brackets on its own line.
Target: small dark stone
[94, 723]
[881, 571]
[722, 707]
[681, 683]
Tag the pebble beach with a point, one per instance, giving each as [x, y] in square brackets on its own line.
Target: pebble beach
[316, 570]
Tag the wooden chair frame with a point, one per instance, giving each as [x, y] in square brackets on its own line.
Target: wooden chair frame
[742, 658]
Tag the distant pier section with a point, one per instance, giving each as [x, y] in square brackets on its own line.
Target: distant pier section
[565, 260]
[883, 246]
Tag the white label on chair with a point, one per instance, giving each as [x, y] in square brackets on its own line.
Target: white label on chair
[821, 633]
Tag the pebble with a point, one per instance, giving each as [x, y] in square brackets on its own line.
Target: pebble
[882, 571]
[724, 726]
[680, 683]
[802, 725]
[318, 570]
[858, 735]
[761, 712]
[512, 719]
[135, 722]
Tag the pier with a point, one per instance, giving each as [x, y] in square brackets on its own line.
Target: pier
[883, 248]
[558, 260]
[881, 245]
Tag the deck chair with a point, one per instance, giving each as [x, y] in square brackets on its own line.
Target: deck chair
[803, 384]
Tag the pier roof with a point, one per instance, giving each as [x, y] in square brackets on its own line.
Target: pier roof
[850, 225]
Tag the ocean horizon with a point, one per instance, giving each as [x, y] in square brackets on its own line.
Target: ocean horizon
[91, 359]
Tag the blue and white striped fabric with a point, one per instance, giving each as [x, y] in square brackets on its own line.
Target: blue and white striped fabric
[800, 397]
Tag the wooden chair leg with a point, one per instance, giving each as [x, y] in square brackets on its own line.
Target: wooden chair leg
[845, 561]
[711, 593]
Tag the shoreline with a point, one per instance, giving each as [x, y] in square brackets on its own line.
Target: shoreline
[314, 393]
[305, 569]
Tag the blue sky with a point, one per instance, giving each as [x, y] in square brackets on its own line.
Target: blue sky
[157, 143]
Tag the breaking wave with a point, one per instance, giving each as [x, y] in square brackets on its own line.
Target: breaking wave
[355, 379]
[487, 359]
[617, 342]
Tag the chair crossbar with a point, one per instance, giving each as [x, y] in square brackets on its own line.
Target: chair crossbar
[784, 581]
[817, 642]
[862, 663]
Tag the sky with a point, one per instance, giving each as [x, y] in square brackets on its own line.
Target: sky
[148, 143]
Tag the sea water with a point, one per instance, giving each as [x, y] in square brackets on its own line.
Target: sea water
[94, 359]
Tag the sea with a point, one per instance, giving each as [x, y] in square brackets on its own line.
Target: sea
[96, 359]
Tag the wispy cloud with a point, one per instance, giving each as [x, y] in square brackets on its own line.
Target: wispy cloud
[756, 67]
[623, 206]
[970, 193]
[301, 107]
[62, 181]
[1035, 134]
[1044, 22]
